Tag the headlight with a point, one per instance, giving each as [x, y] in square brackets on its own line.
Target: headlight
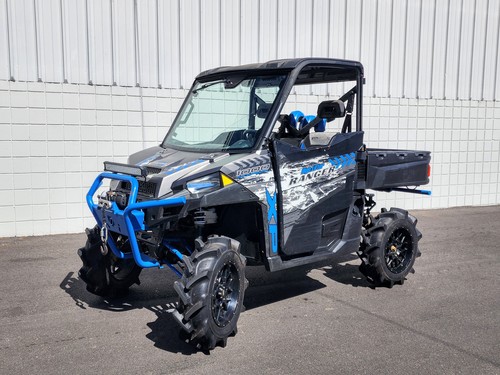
[208, 183]
[204, 184]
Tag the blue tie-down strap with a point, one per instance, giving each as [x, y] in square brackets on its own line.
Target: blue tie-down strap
[129, 220]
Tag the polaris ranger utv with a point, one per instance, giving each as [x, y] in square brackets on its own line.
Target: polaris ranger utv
[236, 179]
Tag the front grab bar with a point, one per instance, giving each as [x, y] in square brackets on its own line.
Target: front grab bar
[132, 216]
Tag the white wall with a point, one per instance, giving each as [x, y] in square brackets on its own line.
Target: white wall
[432, 69]
[54, 138]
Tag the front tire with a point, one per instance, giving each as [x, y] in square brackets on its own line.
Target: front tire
[390, 248]
[105, 275]
[211, 293]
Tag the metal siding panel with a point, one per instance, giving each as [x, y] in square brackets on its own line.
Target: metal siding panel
[479, 50]
[353, 30]
[426, 49]
[268, 30]
[368, 43]
[466, 50]
[50, 40]
[320, 37]
[320, 28]
[4, 43]
[249, 31]
[412, 49]
[230, 32]
[496, 94]
[398, 49]
[147, 47]
[286, 29]
[190, 41]
[303, 40]
[453, 49]
[23, 40]
[210, 34]
[124, 38]
[380, 80]
[169, 44]
[75, 44]
[440, 46]
[490, 71]
[100, 30]
[337, 43]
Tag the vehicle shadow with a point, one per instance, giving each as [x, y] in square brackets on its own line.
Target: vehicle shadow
[347, 274]
[346, 271]
[157, 295]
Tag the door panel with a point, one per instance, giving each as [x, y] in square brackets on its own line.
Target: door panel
[316, 188]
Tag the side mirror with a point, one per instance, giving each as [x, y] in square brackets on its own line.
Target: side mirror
[331, 109]
[263, 110]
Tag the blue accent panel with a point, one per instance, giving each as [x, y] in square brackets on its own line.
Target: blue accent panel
[183, 166]
[272, 218]
[271, 202]
[315, 167]
[343, 160]
[129, 220]
[273, 233]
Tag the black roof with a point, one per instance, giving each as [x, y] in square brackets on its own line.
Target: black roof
[344, 69]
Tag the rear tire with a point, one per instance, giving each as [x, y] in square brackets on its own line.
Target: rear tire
[390, 248]
[211, 293]
[105, 275]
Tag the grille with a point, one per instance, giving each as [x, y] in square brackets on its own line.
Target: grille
[145, 188]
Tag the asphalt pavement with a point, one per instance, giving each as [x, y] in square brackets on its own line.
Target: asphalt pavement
[445, 319]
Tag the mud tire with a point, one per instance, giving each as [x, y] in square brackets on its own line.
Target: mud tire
[105, 275]
[390, 248]
[211, 293]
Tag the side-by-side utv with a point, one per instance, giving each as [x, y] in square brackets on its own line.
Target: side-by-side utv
[237, 180]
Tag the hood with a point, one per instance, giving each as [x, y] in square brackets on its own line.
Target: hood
[165, 166]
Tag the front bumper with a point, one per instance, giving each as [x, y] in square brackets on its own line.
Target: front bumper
[129, 220]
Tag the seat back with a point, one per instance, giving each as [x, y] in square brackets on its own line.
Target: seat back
[320, 127]
[296, 118]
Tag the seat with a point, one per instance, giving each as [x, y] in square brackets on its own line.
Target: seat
[317, 139]
[296, 118]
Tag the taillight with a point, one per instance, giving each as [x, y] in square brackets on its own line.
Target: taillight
[428, 170]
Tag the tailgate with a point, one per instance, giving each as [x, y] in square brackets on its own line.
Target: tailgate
[387, 169]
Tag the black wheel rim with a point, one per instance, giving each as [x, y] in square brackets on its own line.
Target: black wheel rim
[399, 251]
[225, 294]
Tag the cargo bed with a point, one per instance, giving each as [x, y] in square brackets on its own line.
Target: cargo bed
[384, 169]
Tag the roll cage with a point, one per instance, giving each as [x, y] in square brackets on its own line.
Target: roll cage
[298, 72]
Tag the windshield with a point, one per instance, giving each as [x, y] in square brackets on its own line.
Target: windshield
[225, 114]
